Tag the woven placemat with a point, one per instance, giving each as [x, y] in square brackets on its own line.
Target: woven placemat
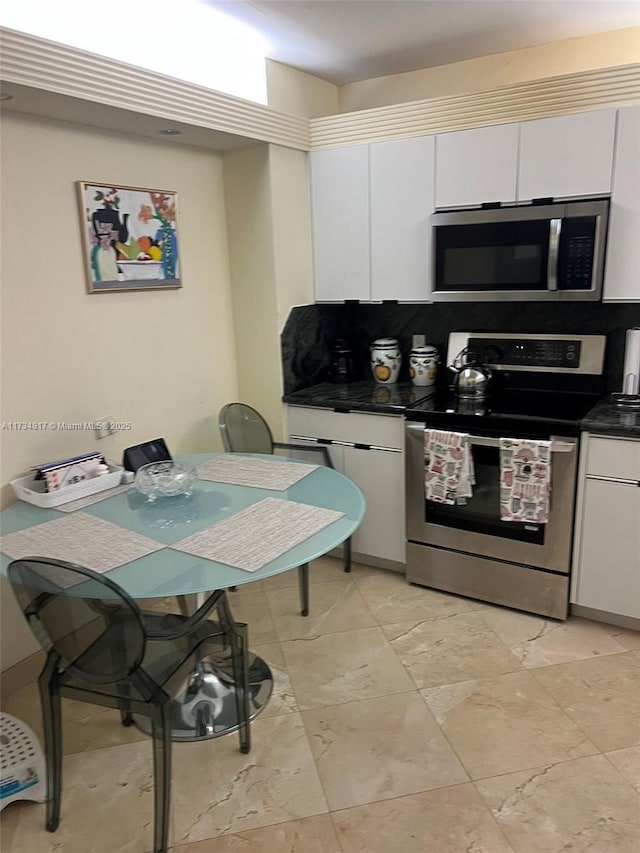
[257, 535]
[80, 538]
[260, 473]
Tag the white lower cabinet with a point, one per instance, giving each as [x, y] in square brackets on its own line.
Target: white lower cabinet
[369, 449]
[607, 556]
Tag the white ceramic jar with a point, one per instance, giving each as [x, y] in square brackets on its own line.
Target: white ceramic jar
[423, 365]
[385, 360]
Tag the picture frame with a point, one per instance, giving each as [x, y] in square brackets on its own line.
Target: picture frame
[130, 238]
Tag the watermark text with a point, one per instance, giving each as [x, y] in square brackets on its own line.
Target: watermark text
[63, 426]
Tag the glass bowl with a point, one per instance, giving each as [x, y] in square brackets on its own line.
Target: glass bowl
[165, 479]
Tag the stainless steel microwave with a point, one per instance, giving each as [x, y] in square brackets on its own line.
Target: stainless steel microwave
[536, 252]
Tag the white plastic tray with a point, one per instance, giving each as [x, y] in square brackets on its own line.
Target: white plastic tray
[32, 491]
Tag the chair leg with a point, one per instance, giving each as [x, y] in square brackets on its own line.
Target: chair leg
[161, 737]
[237, 635]
[303, 576]
[52, 725]
[241, 673]
[347, 555]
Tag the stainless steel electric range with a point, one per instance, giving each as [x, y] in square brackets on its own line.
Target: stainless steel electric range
[541, 388]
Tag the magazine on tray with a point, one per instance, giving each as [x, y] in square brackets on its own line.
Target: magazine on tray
[66, 472]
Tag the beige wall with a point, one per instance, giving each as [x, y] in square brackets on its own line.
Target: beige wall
[291, 207]
[248, 207]
[164, 361]
[290, 210]
[267, 203]
[602, 50]
[300, 94]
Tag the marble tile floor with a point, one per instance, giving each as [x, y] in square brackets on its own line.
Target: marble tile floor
[403, 720]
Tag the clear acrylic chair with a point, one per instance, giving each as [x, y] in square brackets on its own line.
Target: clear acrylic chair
[244, 430]
[104, 650]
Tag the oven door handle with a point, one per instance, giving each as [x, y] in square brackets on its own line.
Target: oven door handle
[556, 445]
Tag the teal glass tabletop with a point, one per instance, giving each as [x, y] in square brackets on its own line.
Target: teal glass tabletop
[167, 521]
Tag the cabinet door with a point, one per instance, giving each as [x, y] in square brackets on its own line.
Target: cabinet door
[566, 156]
[352, 427]
[380, 475]
[401, 199]
[335, 452]
[340, 223]
[609, 570]
[622, 280]
[476, 166]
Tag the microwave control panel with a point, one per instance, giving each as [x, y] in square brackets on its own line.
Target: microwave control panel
[575, 260]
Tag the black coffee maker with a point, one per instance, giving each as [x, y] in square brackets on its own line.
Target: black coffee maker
[341, 362]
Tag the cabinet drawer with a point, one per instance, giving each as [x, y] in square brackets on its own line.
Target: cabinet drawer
[353, 427]
[616, 458]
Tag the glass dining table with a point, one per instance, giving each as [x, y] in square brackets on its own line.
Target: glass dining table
[205, 707]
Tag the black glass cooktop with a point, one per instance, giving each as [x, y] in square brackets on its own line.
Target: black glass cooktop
[524, 411]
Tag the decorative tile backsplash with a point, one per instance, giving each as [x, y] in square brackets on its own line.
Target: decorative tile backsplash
[310, 330]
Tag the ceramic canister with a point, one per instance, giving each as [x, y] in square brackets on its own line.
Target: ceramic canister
[423, 365]
[385, 360]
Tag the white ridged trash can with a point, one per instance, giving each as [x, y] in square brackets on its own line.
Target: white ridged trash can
[22, 770]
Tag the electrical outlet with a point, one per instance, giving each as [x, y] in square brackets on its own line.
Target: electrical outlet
[103, 427]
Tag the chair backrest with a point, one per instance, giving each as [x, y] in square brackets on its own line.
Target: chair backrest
[244, 430]
[90, 622]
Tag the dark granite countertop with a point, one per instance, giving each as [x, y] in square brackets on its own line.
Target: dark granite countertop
[608, 419]
[366, 396]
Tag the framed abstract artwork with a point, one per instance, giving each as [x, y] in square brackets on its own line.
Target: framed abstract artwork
[130, 238]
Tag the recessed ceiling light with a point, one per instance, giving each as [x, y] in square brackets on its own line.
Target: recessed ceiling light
[170, 131]
[4, 97]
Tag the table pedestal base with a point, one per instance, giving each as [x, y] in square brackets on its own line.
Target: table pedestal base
[206, 707]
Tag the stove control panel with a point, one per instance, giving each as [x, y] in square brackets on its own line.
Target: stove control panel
[534, 353]
[554, 352]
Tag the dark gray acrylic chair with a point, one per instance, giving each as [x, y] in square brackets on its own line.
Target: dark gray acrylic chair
[104, 650]
[244, 430]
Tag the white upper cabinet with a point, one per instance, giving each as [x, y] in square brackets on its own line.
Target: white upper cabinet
[477, 166]
[566, 156]
[371, 204]
[401, 198]
[370, 217]
[340, 222]
[622, 271]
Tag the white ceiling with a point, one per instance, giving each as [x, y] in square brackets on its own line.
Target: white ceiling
[343, 41]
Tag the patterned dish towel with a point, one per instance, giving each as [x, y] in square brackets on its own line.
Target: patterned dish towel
[448, 467]
[525, 480]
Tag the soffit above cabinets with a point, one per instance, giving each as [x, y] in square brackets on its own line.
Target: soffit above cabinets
[554, 96]
[60, 82]
[43, 104]
[57, 81]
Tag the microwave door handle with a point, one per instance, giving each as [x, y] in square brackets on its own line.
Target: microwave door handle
[555, 227]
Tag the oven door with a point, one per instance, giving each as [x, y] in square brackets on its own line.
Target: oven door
[475, 527]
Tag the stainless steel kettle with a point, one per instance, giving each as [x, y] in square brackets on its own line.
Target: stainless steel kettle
[472, 377]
